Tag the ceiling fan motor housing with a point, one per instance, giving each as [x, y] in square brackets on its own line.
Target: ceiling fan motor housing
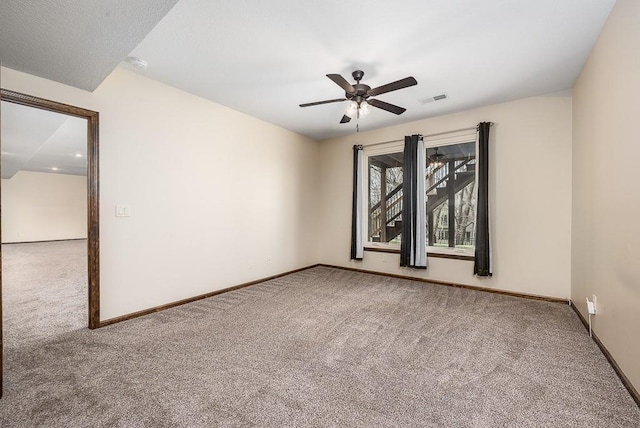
[360, 94]
[360, 89]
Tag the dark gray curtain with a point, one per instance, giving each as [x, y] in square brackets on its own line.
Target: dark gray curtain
[357, 243]
[413, 246]
[482, 266]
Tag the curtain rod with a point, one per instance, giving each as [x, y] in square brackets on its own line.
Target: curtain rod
[426, 136]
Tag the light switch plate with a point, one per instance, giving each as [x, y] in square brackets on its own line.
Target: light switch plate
[123, 211]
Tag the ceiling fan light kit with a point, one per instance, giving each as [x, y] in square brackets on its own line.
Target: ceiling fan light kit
[359, 95]
[352, 109]
[356, 109]
[365, 108]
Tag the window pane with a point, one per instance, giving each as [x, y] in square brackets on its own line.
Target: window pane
[451, 195]
[466, 217]
[385, 197]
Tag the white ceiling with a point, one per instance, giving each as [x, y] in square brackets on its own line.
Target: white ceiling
[265, 58]
[40, 140]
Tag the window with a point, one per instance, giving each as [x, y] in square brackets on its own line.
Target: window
[385, 197]
[451, 196]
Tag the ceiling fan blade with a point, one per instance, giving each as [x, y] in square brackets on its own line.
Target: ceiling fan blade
[345, 119]
[342, 82]
[386, 106]
[394, 86]
[323, 102]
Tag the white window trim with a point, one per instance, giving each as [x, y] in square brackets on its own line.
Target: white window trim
[449, 140]
[381, 149]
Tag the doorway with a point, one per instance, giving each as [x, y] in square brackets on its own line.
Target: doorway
[92, 235]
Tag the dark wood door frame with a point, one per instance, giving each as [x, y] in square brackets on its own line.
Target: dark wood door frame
[93, 202]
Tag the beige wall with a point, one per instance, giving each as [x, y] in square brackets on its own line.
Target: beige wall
[43, 207]
[530, 187]
[217, 197]
[606, 192]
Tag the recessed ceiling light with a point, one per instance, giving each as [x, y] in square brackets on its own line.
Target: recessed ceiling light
[54, 168]
[78, 155]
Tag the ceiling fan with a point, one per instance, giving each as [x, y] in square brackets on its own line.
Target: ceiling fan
[359, 94]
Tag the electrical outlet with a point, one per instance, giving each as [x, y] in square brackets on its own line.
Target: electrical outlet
[595, 303]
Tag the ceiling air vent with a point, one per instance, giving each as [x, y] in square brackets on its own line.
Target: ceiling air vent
[434, 98]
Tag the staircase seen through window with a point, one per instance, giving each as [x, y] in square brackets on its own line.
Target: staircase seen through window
[451, 196]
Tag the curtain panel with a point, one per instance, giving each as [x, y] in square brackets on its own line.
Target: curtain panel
[357, 241]
[482, 265]
[413, 246]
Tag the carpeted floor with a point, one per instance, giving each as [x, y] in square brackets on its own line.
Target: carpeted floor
[45, 291]
[323, 347]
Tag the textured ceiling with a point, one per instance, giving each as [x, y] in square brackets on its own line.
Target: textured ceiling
[76, 42]
[266, 58]
[40, 140]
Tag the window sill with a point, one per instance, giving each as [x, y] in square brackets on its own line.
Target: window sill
[429, 253]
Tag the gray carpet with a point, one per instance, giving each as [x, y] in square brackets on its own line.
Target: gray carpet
[323, 347]
[45, 291]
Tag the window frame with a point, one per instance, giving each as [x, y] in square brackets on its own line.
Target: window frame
[451, 139]
[398, 146]
[382, 149]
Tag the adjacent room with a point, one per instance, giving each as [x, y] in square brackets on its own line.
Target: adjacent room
[44, 224]
[413, 213]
